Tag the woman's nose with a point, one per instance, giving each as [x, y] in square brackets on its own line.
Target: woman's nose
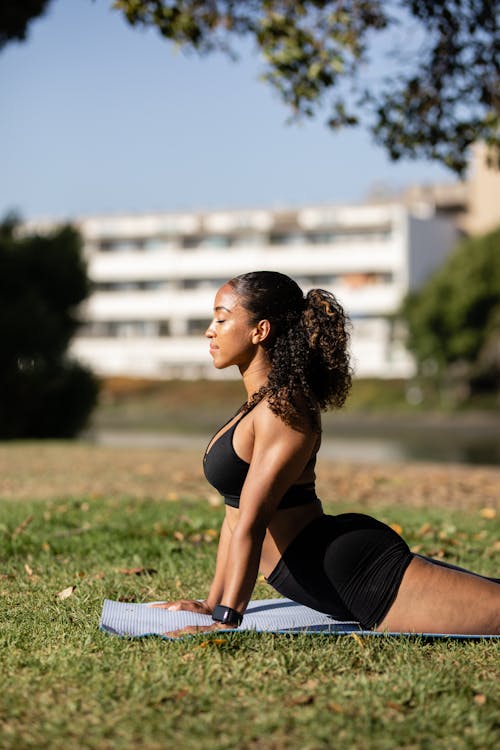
[209, 332]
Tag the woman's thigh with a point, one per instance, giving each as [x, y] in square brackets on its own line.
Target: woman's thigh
[437, 599]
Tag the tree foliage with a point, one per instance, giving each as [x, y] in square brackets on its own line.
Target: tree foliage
[454, 319]
[15, 17]
[438, 92]
[42, 280]
[435, 92]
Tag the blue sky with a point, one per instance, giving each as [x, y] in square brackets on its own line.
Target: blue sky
[100, 117]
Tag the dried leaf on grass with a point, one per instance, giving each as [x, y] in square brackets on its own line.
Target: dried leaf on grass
[425, 529]
[73, 532]
[180, 694]
[301, 700]
[488, 513]
[211, 642]
[22, 526]
[397, 528]
[66, 593]
[358, 640]
[138, 571]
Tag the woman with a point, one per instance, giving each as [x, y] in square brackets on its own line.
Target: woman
[292, 354]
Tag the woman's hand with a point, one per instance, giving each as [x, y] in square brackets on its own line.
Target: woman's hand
[186, 605]
[196, 629]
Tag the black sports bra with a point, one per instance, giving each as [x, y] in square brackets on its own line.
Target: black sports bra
[227, 472]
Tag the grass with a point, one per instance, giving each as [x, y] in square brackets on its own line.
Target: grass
[67, 684]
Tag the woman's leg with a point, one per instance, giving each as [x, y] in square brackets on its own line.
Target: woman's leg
[456, 567]
[438, 599]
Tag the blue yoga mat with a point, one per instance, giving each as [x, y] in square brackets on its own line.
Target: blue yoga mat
[262, 615]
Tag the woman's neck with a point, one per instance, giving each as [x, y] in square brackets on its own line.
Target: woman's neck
[255, 376]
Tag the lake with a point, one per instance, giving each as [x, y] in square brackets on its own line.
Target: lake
[462, 440]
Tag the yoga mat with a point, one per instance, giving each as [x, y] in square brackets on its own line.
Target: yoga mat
[262, 615]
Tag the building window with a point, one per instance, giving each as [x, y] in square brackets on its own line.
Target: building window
[197, 326]
[155, 244]
[317, 281]
[321, 238]
[358, 280]
[249, 240]
[124, 329]
[213, 284]
[154, 285]
[190, 243]
[127, 286]
[106, 246]
[286, 238]
[120, 245]
[216, 240]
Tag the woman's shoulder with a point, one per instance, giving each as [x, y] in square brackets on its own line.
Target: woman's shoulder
[286, 417]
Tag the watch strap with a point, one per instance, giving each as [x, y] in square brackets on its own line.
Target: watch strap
[227, 615]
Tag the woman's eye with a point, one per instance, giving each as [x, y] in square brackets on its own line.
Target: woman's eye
[220, 321]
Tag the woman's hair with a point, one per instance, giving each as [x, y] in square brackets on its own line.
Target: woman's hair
[307, 345]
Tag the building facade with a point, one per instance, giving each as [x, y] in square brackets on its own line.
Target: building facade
[155, 276]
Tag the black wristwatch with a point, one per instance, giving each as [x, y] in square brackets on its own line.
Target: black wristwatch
[227, 615]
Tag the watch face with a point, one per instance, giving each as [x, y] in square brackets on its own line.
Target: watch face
[226, 615]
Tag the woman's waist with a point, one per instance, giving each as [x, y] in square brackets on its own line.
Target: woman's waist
[296, 495]
[283, 528]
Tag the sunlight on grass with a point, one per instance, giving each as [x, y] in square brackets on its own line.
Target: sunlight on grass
[67, 684]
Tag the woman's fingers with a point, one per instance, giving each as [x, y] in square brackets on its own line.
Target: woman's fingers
[195, 629]
[188, 630]
[187, 605]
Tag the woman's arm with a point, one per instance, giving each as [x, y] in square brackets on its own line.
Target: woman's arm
[279, 457]
[217, 586]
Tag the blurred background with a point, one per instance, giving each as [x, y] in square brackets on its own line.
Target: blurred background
[137, 177]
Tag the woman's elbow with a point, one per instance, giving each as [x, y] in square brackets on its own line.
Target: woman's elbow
[253, 529]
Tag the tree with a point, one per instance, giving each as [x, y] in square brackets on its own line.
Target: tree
[454, 319]
[438, 94]
[15, 16]
[42, 280]
[439, 90]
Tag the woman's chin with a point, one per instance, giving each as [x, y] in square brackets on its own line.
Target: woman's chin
[218, 364]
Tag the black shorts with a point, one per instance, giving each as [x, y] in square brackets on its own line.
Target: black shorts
[349, 566]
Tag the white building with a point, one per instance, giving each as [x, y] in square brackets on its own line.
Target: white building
[155, 277]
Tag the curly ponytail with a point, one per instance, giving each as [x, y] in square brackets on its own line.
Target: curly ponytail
[307, 348]
[327, 328]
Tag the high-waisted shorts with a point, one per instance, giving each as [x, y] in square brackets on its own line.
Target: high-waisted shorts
[349, 566]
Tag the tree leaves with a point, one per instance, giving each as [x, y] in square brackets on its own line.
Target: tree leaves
[438, 94]
[42, 280]
[15, 17]
[455, 317]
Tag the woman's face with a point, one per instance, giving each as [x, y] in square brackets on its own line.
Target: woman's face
[232, 336]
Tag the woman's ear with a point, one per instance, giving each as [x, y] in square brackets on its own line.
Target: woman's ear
[261, 331]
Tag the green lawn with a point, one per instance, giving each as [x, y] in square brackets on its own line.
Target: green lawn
[65, 684]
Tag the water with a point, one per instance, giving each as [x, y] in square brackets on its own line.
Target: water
[474, 446]
[436, 449]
